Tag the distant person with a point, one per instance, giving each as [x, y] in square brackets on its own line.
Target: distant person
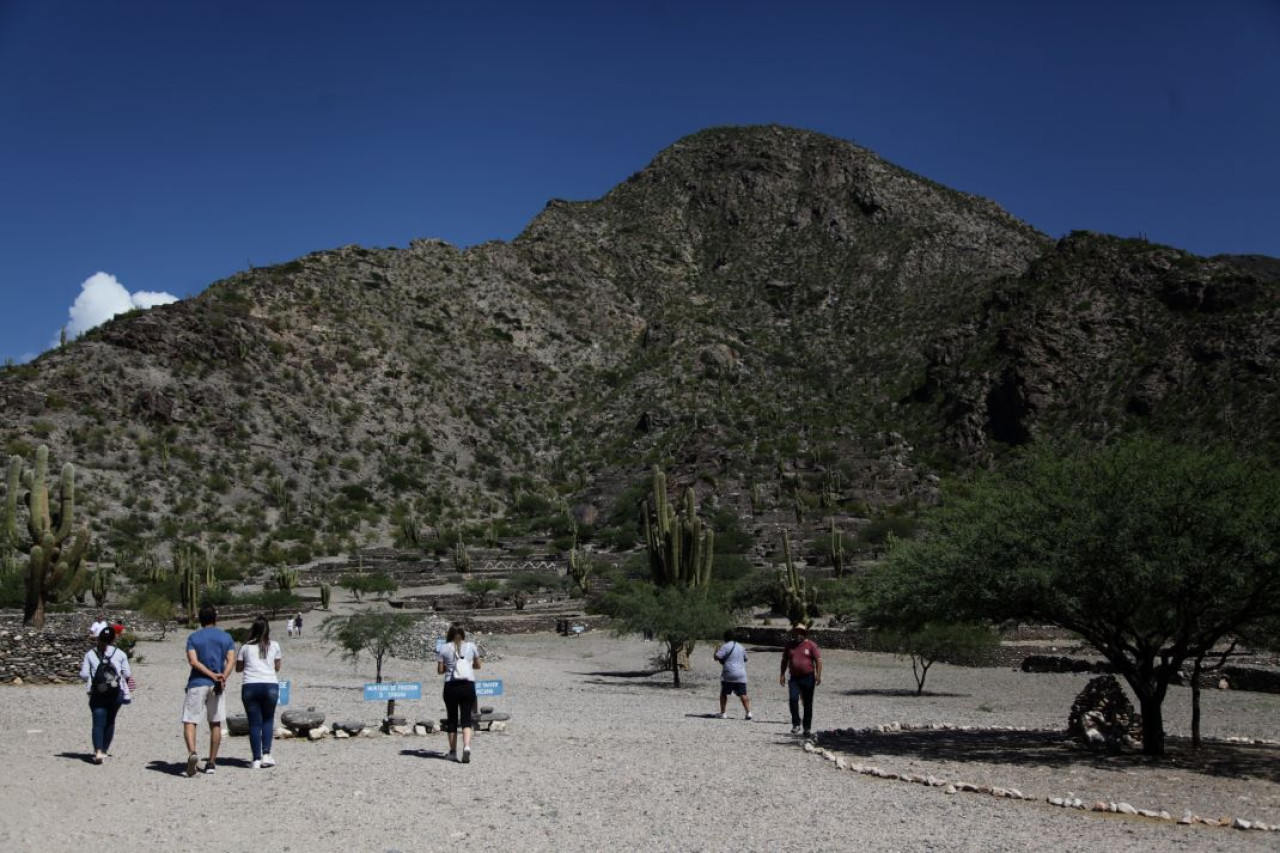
[732, 658]
[297, 624]
[259, 660]
[801, 658]
[96, 628]
[288, 627]
[212, 655]
[105, 671]
[457, 662]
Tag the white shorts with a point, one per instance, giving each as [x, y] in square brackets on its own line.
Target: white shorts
[203, 704]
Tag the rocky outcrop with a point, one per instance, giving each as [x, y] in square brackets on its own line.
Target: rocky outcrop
[1103, 718]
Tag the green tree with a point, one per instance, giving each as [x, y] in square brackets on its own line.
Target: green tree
[372, 583]
[958, 644]
[480, 589]
[1151, 552]
[676, 617]
[521, 586]
[371, 632]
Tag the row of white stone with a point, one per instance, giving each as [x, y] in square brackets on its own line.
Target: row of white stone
[887, 728]
[1070, 801]
[1073, 802]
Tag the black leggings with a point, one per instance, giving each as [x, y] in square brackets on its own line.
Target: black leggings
[459, 700]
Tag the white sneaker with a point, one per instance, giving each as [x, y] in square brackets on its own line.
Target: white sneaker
[722, 716]
[749, 717]
[268, 761]
[257, 765]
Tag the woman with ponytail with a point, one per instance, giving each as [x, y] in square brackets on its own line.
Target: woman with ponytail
[457, 662]
[259, 660]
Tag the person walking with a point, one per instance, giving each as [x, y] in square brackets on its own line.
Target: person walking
[297, 624]
[259, 660]
[105, 671]
[802, 659]
[457, 662]
[212, 655]
[96, 628]
[732, 658]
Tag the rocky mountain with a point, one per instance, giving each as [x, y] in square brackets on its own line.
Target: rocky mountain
[787, 321]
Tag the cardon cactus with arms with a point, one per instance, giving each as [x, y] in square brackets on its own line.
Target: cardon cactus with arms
[680, 547]
[55, 551]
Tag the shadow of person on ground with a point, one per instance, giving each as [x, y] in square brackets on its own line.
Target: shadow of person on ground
[438, 754]
[173, 768]
[86, 757]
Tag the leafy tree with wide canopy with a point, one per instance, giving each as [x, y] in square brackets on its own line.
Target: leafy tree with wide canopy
[1151, 552]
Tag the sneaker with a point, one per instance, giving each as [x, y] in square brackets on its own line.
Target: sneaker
[795, 730]
[807, 736]
[210, 768]
[256, 765]
[192, 761]
[749, 717]
[466, 756]
[453, 756]
[268, 761]
[722, 716]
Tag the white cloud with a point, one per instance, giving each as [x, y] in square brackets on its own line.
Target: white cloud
[102, 297]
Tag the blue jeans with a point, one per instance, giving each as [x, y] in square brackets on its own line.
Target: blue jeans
[260, 707]
[104, 709]
[801, 690]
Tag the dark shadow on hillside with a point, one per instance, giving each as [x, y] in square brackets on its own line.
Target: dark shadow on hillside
[1053, 749]
[902, 691]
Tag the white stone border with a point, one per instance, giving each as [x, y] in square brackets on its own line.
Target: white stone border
[1070, 801]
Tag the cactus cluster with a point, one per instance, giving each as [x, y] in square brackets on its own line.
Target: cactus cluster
[680, 547]
[326, 594]
[55, 551]
[286, 579]
[798, 601]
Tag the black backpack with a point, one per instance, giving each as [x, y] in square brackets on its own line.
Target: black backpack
[106, 677]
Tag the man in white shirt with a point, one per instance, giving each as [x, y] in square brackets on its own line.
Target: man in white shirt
[96, 628]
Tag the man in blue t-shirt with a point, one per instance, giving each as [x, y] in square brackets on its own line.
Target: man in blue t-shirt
[212, 655]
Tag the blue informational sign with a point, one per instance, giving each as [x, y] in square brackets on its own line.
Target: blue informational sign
[284, 694]
[489, 688]
[392, 690]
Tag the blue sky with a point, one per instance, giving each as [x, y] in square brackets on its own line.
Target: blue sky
[170, 144]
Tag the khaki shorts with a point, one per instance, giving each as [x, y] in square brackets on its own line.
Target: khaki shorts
[203, 704]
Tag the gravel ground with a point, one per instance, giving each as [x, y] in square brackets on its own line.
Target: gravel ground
[600, 754]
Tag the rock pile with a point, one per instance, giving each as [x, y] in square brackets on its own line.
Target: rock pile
[1102, 717]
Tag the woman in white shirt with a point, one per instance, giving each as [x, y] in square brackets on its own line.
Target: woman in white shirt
[457, 661]
[259, 660]
[105, 702]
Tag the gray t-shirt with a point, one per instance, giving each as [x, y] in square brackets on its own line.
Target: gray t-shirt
[733, 657]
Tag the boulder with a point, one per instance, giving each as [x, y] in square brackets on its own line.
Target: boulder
[301, 722]
[237, 725]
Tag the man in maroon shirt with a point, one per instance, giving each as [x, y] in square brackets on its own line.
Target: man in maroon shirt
[802, 659]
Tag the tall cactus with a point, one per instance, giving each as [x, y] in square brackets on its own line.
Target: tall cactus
[680, 547]
[100, 586]
[837, 550]
[326, 595]
[188, 583]
[55, 551]
[461, 556]
[580, 569]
